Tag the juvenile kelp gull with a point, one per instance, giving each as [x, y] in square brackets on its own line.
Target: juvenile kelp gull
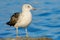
[22, 19]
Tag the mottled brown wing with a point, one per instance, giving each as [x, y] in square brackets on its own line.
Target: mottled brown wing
[13, 19]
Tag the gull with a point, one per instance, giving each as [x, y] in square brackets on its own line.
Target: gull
[22, 19]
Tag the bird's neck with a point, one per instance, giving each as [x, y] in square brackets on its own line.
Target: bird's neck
[26, 12]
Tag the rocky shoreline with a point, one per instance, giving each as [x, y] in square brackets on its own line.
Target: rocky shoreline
[18, 38]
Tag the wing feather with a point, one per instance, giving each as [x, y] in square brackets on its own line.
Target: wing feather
[13, 19]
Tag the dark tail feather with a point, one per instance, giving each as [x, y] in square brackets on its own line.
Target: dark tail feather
[8, 23]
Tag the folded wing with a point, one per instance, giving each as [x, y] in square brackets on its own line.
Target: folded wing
[14, 19]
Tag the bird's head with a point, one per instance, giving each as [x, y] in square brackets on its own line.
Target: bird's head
[27, 7]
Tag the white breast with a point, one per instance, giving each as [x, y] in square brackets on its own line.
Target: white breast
[24, 19]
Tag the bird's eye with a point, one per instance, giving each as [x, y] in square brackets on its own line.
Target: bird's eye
[28, 6]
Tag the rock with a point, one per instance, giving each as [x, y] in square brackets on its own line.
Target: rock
[19, 38]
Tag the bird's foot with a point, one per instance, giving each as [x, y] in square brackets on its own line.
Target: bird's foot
[27, 36]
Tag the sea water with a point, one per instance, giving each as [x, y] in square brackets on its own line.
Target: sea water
[45, 23]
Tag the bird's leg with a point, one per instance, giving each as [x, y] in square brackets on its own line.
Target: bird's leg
[16, 31]
[26, 32]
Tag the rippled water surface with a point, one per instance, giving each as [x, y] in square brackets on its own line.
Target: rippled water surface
[45, 23]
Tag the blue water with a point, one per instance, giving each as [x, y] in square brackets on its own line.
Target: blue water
[45, 23]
